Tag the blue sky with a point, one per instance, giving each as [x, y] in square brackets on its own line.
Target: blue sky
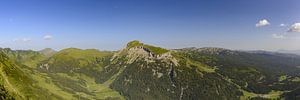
[110, 24]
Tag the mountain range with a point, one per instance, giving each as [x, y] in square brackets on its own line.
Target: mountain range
[297, 52]
[145, 72]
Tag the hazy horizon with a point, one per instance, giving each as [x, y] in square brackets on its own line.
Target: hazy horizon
[124, 46]
[171, 24]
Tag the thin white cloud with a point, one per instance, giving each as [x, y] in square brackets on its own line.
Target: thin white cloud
[263, 22]
[282, 25]
[22, 40]
[278, 36]
[47, 37]
[26, 39]
[16, 40]
[294, 28]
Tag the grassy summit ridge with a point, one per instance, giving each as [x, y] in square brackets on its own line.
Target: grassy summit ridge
[154, 49]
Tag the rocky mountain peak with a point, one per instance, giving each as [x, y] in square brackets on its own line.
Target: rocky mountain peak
[136, 50]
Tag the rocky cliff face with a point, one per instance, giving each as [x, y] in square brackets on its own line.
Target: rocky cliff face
[142, 53]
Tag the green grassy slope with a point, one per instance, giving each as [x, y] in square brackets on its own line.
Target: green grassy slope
[47, 52]
[74, 72]
[18, 83]
[89, 62]
[27, 81]
[25, 57]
